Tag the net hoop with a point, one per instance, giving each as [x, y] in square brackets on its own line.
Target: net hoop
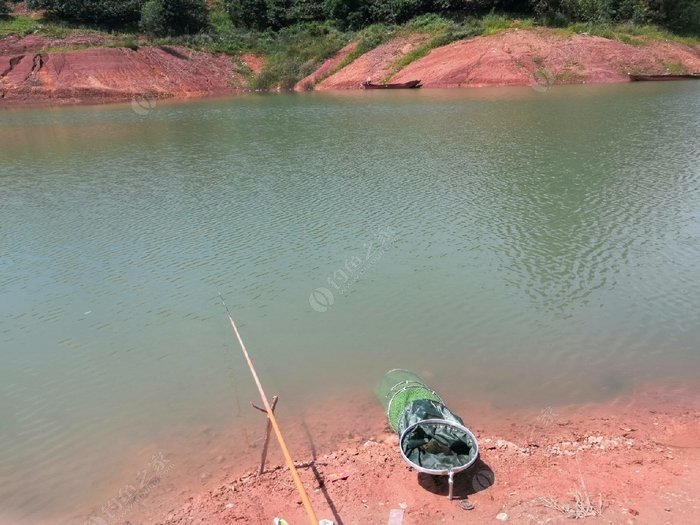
[441, 472]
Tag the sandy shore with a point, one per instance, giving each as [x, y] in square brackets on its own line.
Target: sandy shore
[635, 459]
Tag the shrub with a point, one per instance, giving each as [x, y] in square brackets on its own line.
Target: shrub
[247, 13]
[586, 10]
[153, 18]
[112, 13]
[684, 16]
[173, 17]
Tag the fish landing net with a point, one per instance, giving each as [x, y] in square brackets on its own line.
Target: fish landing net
[432, 439]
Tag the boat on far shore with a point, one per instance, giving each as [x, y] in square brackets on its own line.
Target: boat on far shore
[662, 77]
[411, 84]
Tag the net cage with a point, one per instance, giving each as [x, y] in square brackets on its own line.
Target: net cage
[432, 439]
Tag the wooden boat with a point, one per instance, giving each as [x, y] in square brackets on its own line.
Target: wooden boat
[667, 76]
[367, 84]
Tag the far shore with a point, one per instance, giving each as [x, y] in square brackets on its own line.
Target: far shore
[91, 68]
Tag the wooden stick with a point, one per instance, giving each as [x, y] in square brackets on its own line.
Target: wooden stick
[313, 520]
[268, 429]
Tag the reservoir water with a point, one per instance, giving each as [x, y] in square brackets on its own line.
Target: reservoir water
[524, 248]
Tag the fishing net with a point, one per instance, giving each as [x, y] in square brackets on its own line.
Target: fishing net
[432, 439]
[398, 389]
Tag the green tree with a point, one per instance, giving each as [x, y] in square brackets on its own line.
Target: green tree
[247, 13]
[112, 13]
[351, 14]
[684, 16]
[173, 17]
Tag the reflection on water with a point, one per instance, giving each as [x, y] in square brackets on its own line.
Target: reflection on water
[546, 251]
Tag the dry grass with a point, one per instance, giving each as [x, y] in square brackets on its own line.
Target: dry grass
[582, 506]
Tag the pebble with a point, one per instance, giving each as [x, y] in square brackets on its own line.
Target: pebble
[229, 505]
[403, 506]
[502, 516]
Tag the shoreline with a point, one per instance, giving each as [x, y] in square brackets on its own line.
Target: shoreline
[637, 456]
[39, 71]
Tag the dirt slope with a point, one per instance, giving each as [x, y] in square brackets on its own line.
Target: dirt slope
[37, 69]
[518, 58]
[527, 57]
[375, 64]
[325, 68]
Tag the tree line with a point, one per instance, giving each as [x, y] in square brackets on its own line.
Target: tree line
[174, 17]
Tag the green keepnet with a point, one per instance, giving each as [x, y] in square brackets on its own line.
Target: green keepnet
[435, 446]
[432, 438]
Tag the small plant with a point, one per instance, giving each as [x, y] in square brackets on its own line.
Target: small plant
[582, 506]
[544, 77]
[676, 68]
[567, 76]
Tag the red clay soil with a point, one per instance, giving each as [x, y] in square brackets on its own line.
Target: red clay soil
[518, 58]
[375, 65]
[35, 69]
[632, 461]
[253, 62]
[328, 65]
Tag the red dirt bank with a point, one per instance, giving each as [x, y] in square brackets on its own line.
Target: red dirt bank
[517, 58]
[639, 455]
[80, 69]
[36, 69]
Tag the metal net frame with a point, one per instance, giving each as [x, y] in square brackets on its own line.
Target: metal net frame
[432, 439]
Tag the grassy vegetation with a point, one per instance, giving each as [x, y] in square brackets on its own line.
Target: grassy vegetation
[17, 25]
[295, 52]
[367, 39]
[627, 33]
[25, 25]
[444, 31]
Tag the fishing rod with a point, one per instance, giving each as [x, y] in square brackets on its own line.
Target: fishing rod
[273, 420]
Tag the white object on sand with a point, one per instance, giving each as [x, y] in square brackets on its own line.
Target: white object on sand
[395, 517]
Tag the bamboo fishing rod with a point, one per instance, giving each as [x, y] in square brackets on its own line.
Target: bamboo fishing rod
[273, 420]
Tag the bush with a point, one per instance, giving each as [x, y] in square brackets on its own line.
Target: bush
[294, 52]
[684, 16]
[4, 8]
[153, 18]
[113, 13]
[173, 17]
[247, 13]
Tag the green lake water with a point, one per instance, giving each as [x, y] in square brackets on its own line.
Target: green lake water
[524, 248]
